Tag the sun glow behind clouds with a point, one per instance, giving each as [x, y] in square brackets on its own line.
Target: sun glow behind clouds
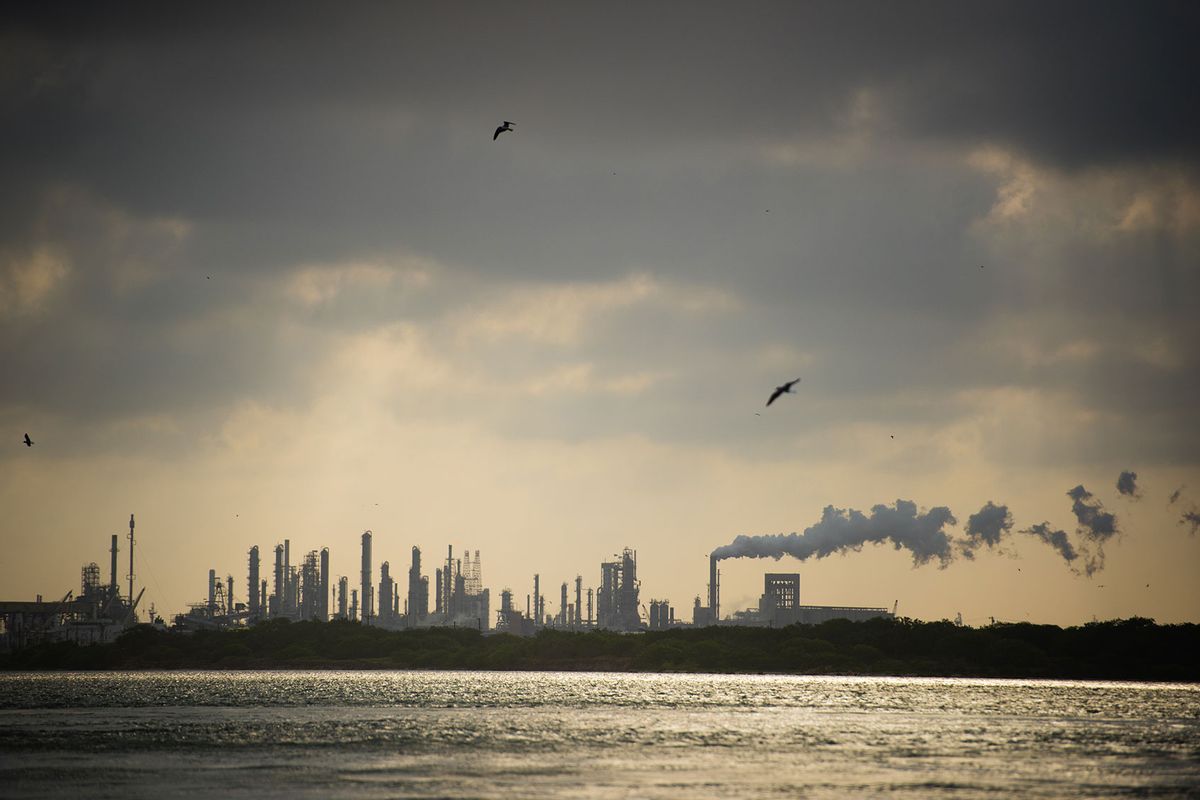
[261, 306]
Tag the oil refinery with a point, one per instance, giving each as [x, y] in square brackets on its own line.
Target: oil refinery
[307, 590]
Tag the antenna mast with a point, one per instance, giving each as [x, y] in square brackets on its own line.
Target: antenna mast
[131, 558]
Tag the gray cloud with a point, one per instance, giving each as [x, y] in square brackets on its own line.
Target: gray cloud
[1127, 484]
[1192, 520]
[280, 143]
[1174, 496]
[923, 534]
[986, 527]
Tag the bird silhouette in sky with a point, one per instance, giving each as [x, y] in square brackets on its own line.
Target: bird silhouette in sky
[784, 389]
[28, 441]
[507, 126]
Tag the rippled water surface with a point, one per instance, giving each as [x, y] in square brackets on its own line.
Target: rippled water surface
[529, 735]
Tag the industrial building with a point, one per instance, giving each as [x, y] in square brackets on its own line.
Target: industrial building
[780, 605]
[617, 599]
[302, 592]
[98, 614]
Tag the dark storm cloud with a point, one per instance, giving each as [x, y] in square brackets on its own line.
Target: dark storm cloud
[680, 71]
[986, 527]
[283, 135]
[922, 533]
[1127, 484]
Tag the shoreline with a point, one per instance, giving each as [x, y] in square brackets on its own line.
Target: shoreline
[1135, 649]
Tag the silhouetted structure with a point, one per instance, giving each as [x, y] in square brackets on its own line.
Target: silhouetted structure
[617, 599]
[365, 595]
[252, 583]
[386, 590]
[418, 592]
[343, 611]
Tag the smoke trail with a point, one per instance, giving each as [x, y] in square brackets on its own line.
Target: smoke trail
[1056, 539]
[986, 528]
[1095, 523]
[1127, 484]
[841, 530]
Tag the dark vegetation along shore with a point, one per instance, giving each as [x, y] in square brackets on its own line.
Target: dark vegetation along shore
[1130, 649]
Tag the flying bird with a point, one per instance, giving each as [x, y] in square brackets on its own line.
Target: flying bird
[28, 441]
[785, 389]
[507, 126]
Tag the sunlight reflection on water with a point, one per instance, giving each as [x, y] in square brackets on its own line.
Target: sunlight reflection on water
[460, 734]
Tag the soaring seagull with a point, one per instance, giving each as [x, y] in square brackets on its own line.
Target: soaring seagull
[28, 441]
[507, 126]
[785, 389]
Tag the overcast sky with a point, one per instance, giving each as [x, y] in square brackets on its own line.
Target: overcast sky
[264, 273]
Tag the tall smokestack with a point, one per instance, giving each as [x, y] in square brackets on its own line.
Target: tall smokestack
[364, 596]
[212, 592]
[112, 581]
[252, 586]
[288, 580]
[131, 559]
[578, 601]
[323, 598]
[277, 600]
[448, 579]
[714, 589]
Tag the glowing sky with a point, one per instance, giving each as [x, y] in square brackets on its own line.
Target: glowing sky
[265, 274]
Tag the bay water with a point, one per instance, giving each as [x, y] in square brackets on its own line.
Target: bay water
[417, 734]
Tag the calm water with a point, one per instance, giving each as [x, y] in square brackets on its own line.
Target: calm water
[532, 735]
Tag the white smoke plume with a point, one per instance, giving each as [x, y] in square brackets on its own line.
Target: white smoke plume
[840, 530]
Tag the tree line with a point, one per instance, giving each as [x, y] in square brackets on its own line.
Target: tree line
[1126, 649]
